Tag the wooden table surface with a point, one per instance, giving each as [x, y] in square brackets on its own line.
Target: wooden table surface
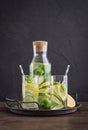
[75, 121]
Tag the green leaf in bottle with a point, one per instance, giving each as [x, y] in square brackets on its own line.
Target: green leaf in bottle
[39, 69]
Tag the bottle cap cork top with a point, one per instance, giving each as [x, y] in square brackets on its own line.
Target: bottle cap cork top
[40, 43]
[40, 46]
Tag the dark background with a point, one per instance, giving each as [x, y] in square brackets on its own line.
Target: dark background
[63, 23]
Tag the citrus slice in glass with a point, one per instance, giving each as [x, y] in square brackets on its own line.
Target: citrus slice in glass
[32, 89]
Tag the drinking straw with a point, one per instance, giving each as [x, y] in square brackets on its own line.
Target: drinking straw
[21, 69]
[67, 70]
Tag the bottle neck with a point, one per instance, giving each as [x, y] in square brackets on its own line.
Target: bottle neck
[41, 54]
[40, 57]
[40, 50]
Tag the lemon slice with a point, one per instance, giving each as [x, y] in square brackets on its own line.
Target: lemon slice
[44, 84]
[30, 85]
[70, 101]
[32, 89]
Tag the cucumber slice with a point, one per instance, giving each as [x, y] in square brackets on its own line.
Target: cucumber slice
[41, 79]
[56, 103]
[59, 98]
[48, 68]
[57, 107]
[28, 98]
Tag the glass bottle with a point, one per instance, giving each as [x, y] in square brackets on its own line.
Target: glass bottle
[40, 72]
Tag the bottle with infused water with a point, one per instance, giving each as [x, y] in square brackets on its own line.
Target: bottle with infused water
[40, 72]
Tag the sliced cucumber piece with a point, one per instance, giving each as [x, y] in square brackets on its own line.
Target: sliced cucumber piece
[59, 98]
[41, 79]
[56, 103]
[48, 68]
[28, 98]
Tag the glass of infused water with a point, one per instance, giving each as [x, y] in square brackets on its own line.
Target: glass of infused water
[29, 89]
[59, 90]
[29, 92]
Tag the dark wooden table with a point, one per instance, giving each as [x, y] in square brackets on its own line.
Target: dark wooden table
[75, 121]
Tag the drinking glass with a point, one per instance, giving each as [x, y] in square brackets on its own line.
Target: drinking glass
[29, 92]
[29, 89]
[59, 90]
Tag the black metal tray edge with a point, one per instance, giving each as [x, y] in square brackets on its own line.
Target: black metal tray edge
[45, 113]
[42, 112]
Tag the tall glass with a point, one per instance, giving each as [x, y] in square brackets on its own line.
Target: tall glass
[29, 89]
[59, 90]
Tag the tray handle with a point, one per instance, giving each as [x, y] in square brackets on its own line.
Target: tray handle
[11, 103]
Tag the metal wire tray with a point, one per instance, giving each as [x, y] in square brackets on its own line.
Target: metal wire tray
[32, 108]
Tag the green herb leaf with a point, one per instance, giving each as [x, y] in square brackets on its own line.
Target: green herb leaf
[62, 89]
[28, 79]
[56, 83]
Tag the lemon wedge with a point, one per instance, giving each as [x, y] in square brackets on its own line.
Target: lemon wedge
[70, 101]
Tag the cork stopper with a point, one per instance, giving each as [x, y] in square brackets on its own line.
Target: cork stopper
[40, 46]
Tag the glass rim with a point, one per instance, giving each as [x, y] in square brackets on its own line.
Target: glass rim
[58, 75]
